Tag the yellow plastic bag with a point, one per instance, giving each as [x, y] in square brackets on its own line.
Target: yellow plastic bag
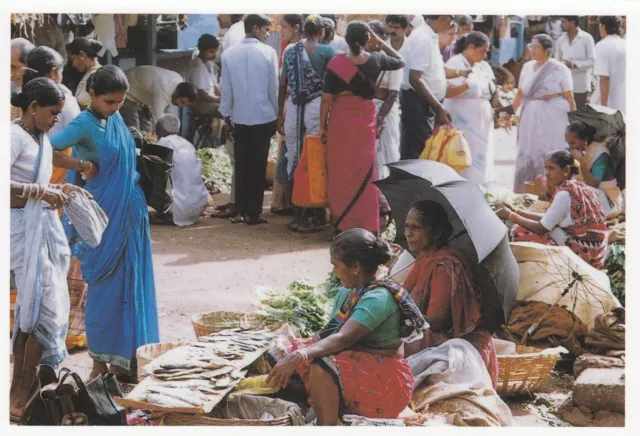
[449, 146]
[255, 386]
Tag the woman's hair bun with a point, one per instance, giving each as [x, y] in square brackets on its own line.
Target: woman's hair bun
[382, 250]
[96, 45]
[17, 99]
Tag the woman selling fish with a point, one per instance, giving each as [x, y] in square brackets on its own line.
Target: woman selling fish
[356, 364]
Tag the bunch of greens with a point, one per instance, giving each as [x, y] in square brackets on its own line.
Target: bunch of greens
[331, 286]
[301, 306]
[216, 167]
[614, 264]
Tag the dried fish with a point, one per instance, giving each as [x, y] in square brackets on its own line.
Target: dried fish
[177, 374]
[166, 401]
[193, 397]
[223, 383]
[222, 371]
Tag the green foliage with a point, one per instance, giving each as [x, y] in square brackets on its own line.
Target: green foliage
[614, 264]
[216, 167]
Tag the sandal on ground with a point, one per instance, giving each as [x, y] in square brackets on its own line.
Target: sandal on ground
[294, 226]
[237, 219]
[255, 220]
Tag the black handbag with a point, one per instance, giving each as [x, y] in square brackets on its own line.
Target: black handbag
[56, 401]
[154, 166]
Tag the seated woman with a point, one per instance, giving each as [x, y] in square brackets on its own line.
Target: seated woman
[596, 165]
[575, 217]
[442, 285]
[356, 364]
[186, 186]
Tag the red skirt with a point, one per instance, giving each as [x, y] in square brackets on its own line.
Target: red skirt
[370, 385]
[351, 151]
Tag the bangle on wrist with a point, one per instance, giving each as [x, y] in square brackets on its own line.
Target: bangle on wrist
[302, 354]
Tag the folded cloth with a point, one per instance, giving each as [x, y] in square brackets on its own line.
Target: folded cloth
[87, 217]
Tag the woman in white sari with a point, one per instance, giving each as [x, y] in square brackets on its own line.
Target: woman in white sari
[186, 187]
[39, 249]
[546, 96]
[468, 102]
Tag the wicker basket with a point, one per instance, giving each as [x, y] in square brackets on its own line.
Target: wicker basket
[212, 322]
[147, 353]
[179, 419]
[522, 373]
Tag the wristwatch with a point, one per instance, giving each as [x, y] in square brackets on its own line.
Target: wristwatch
[82, 167]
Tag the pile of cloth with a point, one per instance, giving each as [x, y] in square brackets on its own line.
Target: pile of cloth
[558, 328]
[608, 334]
[452, 385]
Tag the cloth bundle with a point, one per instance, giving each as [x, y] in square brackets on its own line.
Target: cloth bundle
[608, 332]
[87, 217]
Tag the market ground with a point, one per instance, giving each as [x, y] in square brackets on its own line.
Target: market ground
[214, 266]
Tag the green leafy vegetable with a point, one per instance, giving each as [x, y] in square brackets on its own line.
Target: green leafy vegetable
[216, 167]
[614, 264]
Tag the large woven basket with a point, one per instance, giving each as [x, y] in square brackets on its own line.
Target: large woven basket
[523, 372]
[212, 322]
[179, 419]
[147, 353]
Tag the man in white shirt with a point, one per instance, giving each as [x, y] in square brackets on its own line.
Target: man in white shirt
[611, 65]
[203, 75]
[576, 49]
[185, 187]
[151, 91]
[424, 86]
[249, 103]
[331, 38]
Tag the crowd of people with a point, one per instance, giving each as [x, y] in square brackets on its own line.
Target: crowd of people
[372, 97]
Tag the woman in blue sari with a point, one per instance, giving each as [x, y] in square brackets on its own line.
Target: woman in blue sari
[121, 313]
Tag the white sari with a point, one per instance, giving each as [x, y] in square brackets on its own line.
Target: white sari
[542, 123]
[40, 258]
[185, 187]
[471, 112]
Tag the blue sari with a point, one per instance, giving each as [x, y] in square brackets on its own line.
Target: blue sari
[121, 313]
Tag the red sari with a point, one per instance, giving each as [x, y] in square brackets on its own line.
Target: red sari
[351, 151]
[443, 286]
[587, 236]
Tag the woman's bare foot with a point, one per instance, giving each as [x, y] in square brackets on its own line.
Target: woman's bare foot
[15, 411]
[98, 368]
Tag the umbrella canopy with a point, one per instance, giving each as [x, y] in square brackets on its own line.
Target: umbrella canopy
[547, 271]
[610, 127]
[477, 230]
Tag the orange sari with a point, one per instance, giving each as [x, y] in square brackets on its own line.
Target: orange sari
[444, 289]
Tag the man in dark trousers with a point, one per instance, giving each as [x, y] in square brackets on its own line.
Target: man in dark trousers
[249, 103]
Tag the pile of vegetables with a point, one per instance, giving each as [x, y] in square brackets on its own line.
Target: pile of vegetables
[614, 264]
[331, 286]
[301, 305]
[216, 167]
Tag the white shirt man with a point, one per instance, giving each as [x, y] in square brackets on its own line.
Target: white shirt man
[249, 83]
[579, 52]
[152, 86]
[339, 44]
[611, 62]
[422, 52]
[203, 75]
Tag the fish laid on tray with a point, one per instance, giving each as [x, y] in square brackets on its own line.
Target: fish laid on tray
[234, 344]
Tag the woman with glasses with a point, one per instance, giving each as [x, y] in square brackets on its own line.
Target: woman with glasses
[546, 96]
[468, 102]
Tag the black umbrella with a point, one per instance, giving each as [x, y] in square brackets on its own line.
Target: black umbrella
[610, 127]
[476, 228]
[477, 231]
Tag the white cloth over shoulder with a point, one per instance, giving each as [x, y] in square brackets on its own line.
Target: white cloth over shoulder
[40, 257]
[471, 113]
[82, 95]
[388, 145]
[542, 123]
[186, 186]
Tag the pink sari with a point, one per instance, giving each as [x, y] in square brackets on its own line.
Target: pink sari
[351, 151]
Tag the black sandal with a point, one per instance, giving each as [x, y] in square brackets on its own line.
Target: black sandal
[255, 220]
[237, 219]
